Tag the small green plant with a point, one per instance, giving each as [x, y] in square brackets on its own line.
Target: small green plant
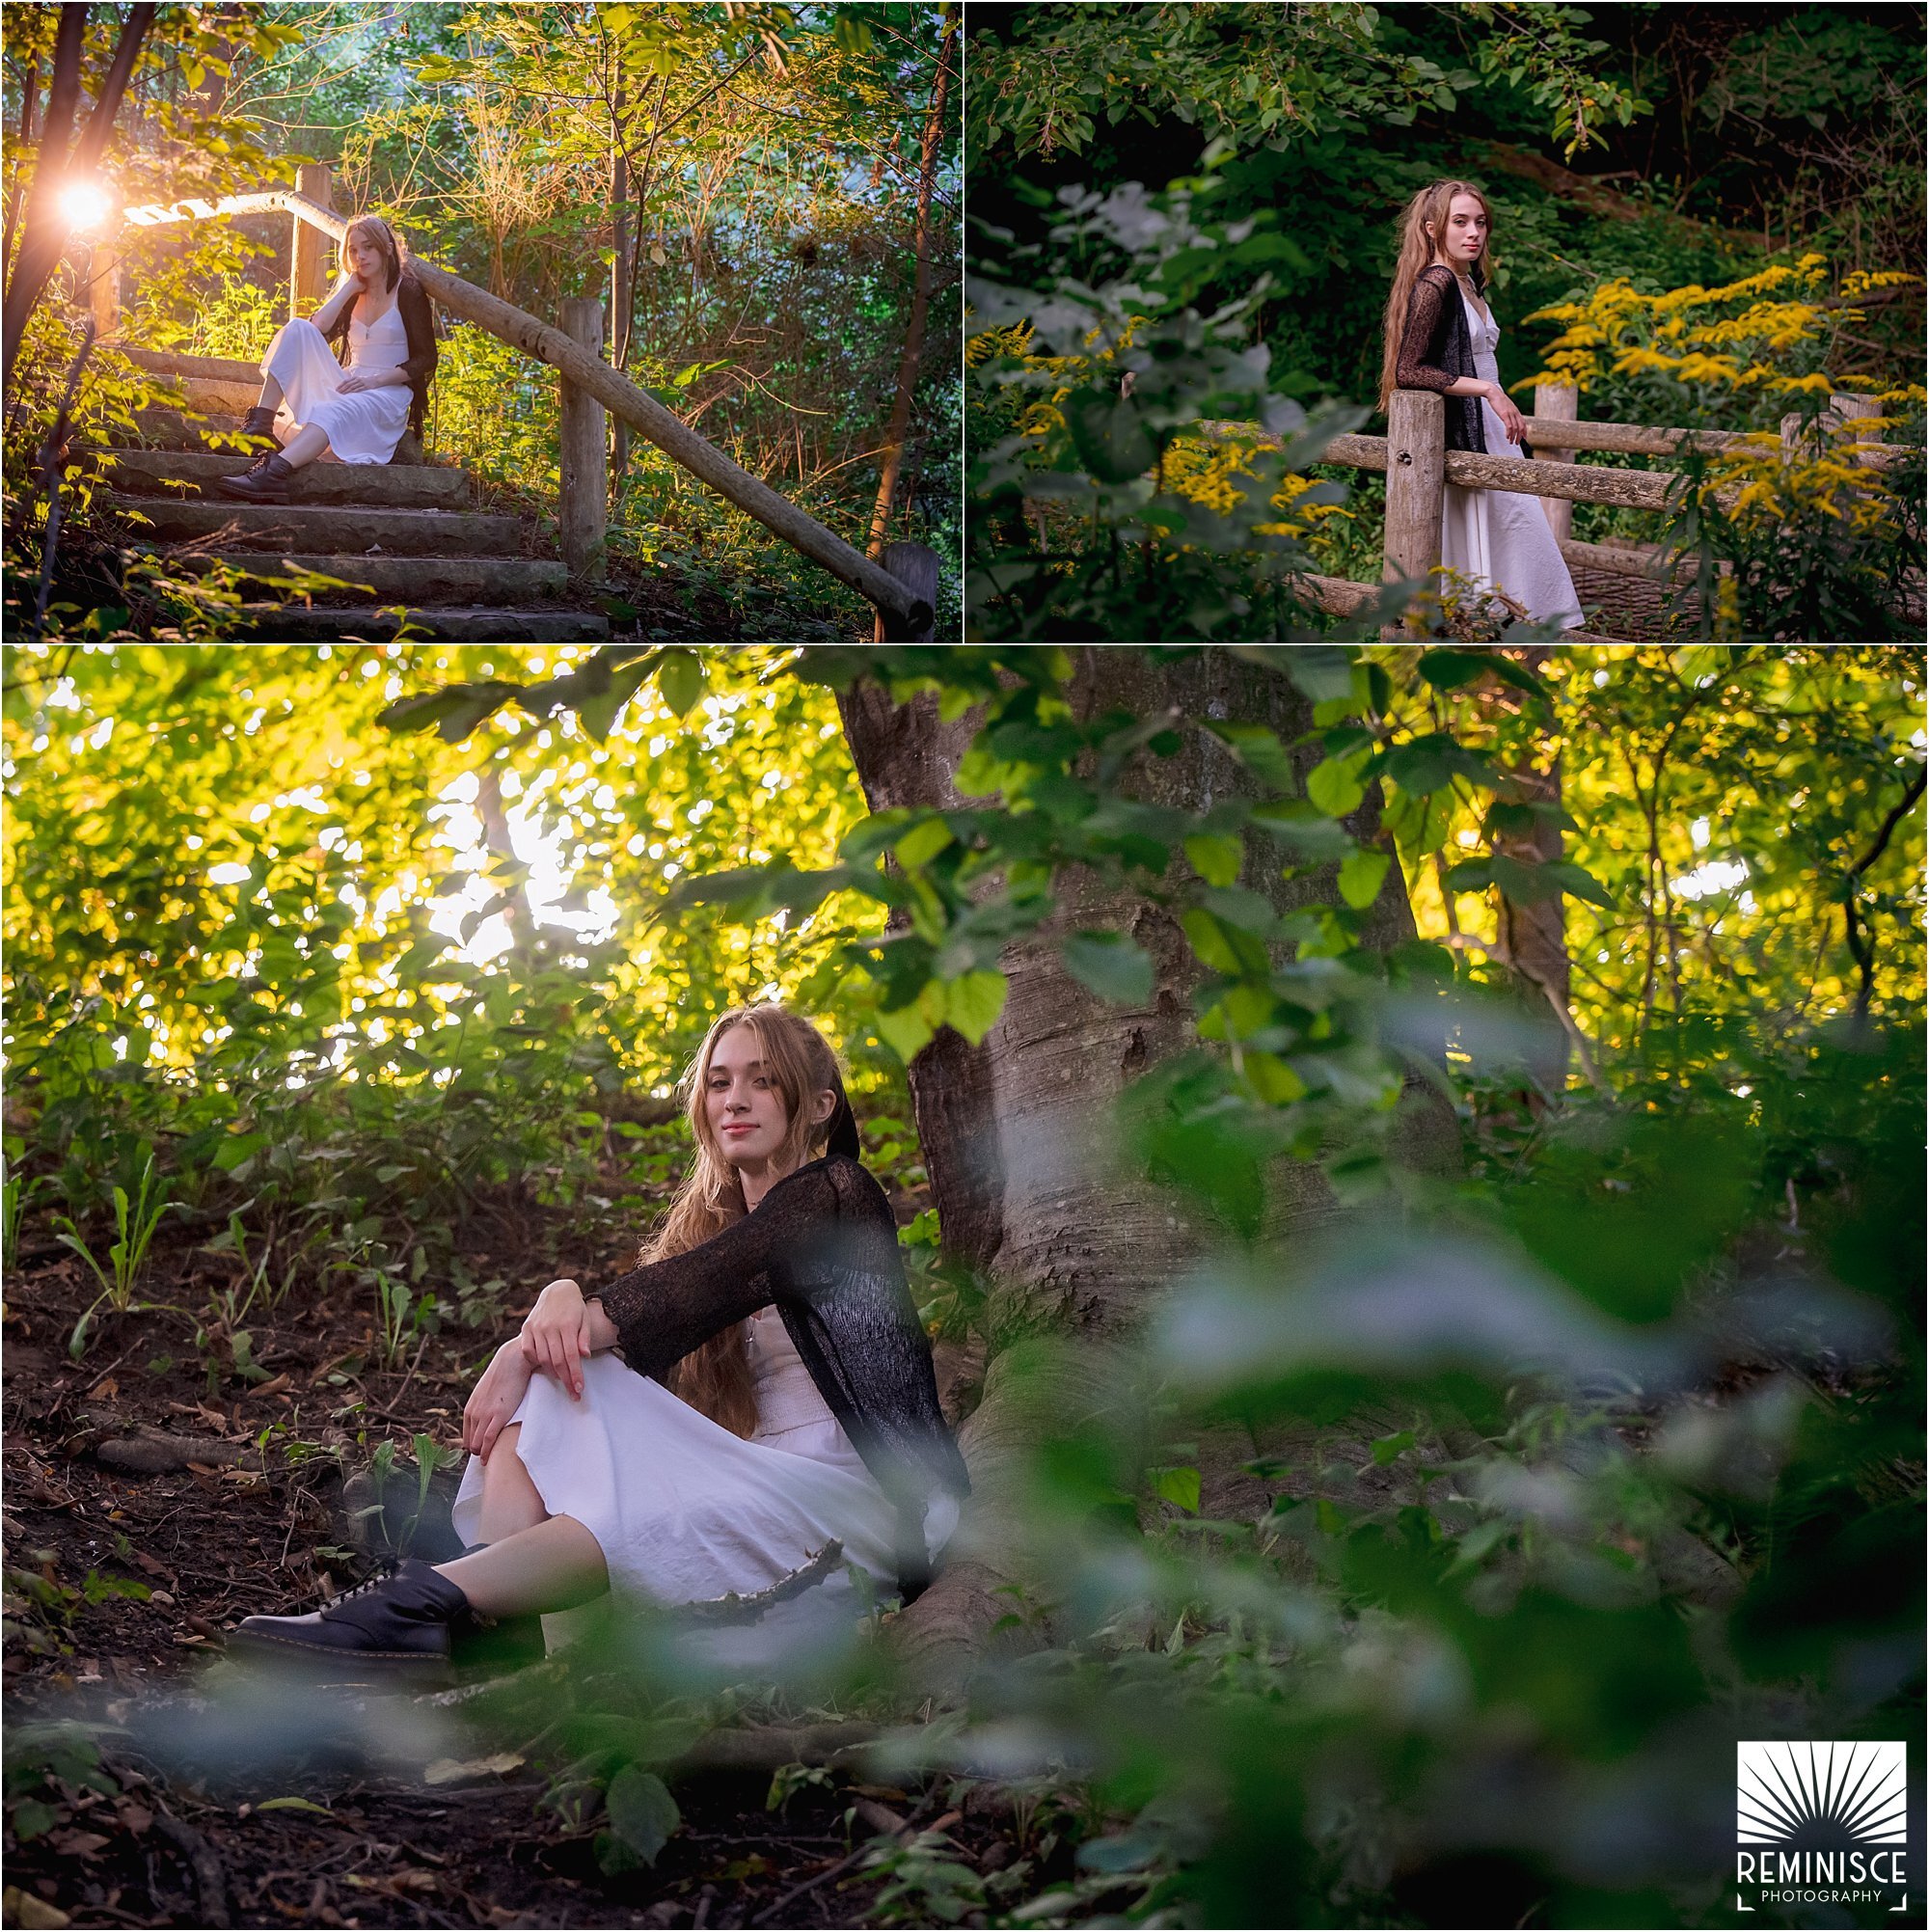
[927, 1882]
[13, 1206]
[41, 1609]
[225, 1346]
[135, 1227]
[402, 1316]
[49, 1767]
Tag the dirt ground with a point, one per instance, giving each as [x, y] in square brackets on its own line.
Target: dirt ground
[146, 1512]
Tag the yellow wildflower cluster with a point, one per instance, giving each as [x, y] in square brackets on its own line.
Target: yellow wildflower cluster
[1042, 416]
[1698, 334]
[1210, 471]
[1014, 338]
[1757, 481]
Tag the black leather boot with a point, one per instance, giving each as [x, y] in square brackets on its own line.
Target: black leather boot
[264, 481]
[399, 1620]
[259, 424]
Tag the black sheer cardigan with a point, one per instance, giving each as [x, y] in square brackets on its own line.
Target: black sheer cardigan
[1436, 348]
[419, 321]
[822, 1247]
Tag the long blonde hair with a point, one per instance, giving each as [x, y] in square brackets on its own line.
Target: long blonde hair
[715, 1378]
[1419, 250]
[383, 240]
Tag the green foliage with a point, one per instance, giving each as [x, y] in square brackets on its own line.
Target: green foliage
[1129, 365]
[1268, 79]
[307, 1051]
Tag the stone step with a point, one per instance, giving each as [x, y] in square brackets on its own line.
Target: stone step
[219, 430]
[422, 580]
[315, 529]
[217, 369]
[230, 393]
[381, 485]
[274, 623]
[169, 429]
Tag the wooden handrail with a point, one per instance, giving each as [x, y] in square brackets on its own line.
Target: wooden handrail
[1470, 470]
[904, 608]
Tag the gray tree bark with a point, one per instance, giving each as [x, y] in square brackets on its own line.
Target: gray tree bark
[1016, 1132]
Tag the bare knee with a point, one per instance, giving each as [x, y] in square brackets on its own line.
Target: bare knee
[510, 1499]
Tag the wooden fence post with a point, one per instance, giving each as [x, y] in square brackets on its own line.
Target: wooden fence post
[1415, 476]
[308, 280]
[1848, 408]
[1560, 402]
[915, 565]
[103, 290]
[583, 520]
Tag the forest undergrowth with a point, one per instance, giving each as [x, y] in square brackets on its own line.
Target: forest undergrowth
[1420, 1569]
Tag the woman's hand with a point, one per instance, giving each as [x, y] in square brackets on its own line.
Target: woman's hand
[354, 381]
[495, 1398]
[557, 1334]
[1504, 407]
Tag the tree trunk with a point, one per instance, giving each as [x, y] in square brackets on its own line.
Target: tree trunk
[920, 301]
[43, 236]
[1016, 1132]
[619, 275]
[1532, 937]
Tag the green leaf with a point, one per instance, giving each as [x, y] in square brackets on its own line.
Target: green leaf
[293, 1804]
[1578, 882]
[1110, 964]
[1216, 857]
[1178, 1486]
[642, 1813]
[455, 710]
[905, 1030]
[1361, 877]
[1110, 435]
[1273, 1079]
[1528, 884]
[1304, 831]
[32, 1819]
[972, 1004]
[1387, 1448]
[598, 711]
[923, 843]
[681, 679]
[1324, 672]
[1452, 669]
[1261, 753]
[1334, 786]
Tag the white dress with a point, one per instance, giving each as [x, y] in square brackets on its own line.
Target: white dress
[1499, 537]
[683, 1509]
[363, 426]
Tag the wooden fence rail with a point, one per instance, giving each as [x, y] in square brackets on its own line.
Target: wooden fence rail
[1414, 457]
[903, 602]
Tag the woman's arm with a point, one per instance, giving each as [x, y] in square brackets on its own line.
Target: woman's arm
[799, 1229]
[354, 381]
[346, 288]
[1412, 369]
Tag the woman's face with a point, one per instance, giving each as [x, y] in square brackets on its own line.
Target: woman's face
[744, 1104]
[1466, 238]
[366, 258]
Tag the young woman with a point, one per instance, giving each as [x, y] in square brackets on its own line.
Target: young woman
[311, 402]
[1441, 335]
[792, 1399]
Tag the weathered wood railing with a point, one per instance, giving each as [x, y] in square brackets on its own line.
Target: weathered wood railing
[1418, 465]
[901, 586]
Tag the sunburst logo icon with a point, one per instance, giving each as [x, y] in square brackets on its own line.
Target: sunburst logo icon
[1810, 1797]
